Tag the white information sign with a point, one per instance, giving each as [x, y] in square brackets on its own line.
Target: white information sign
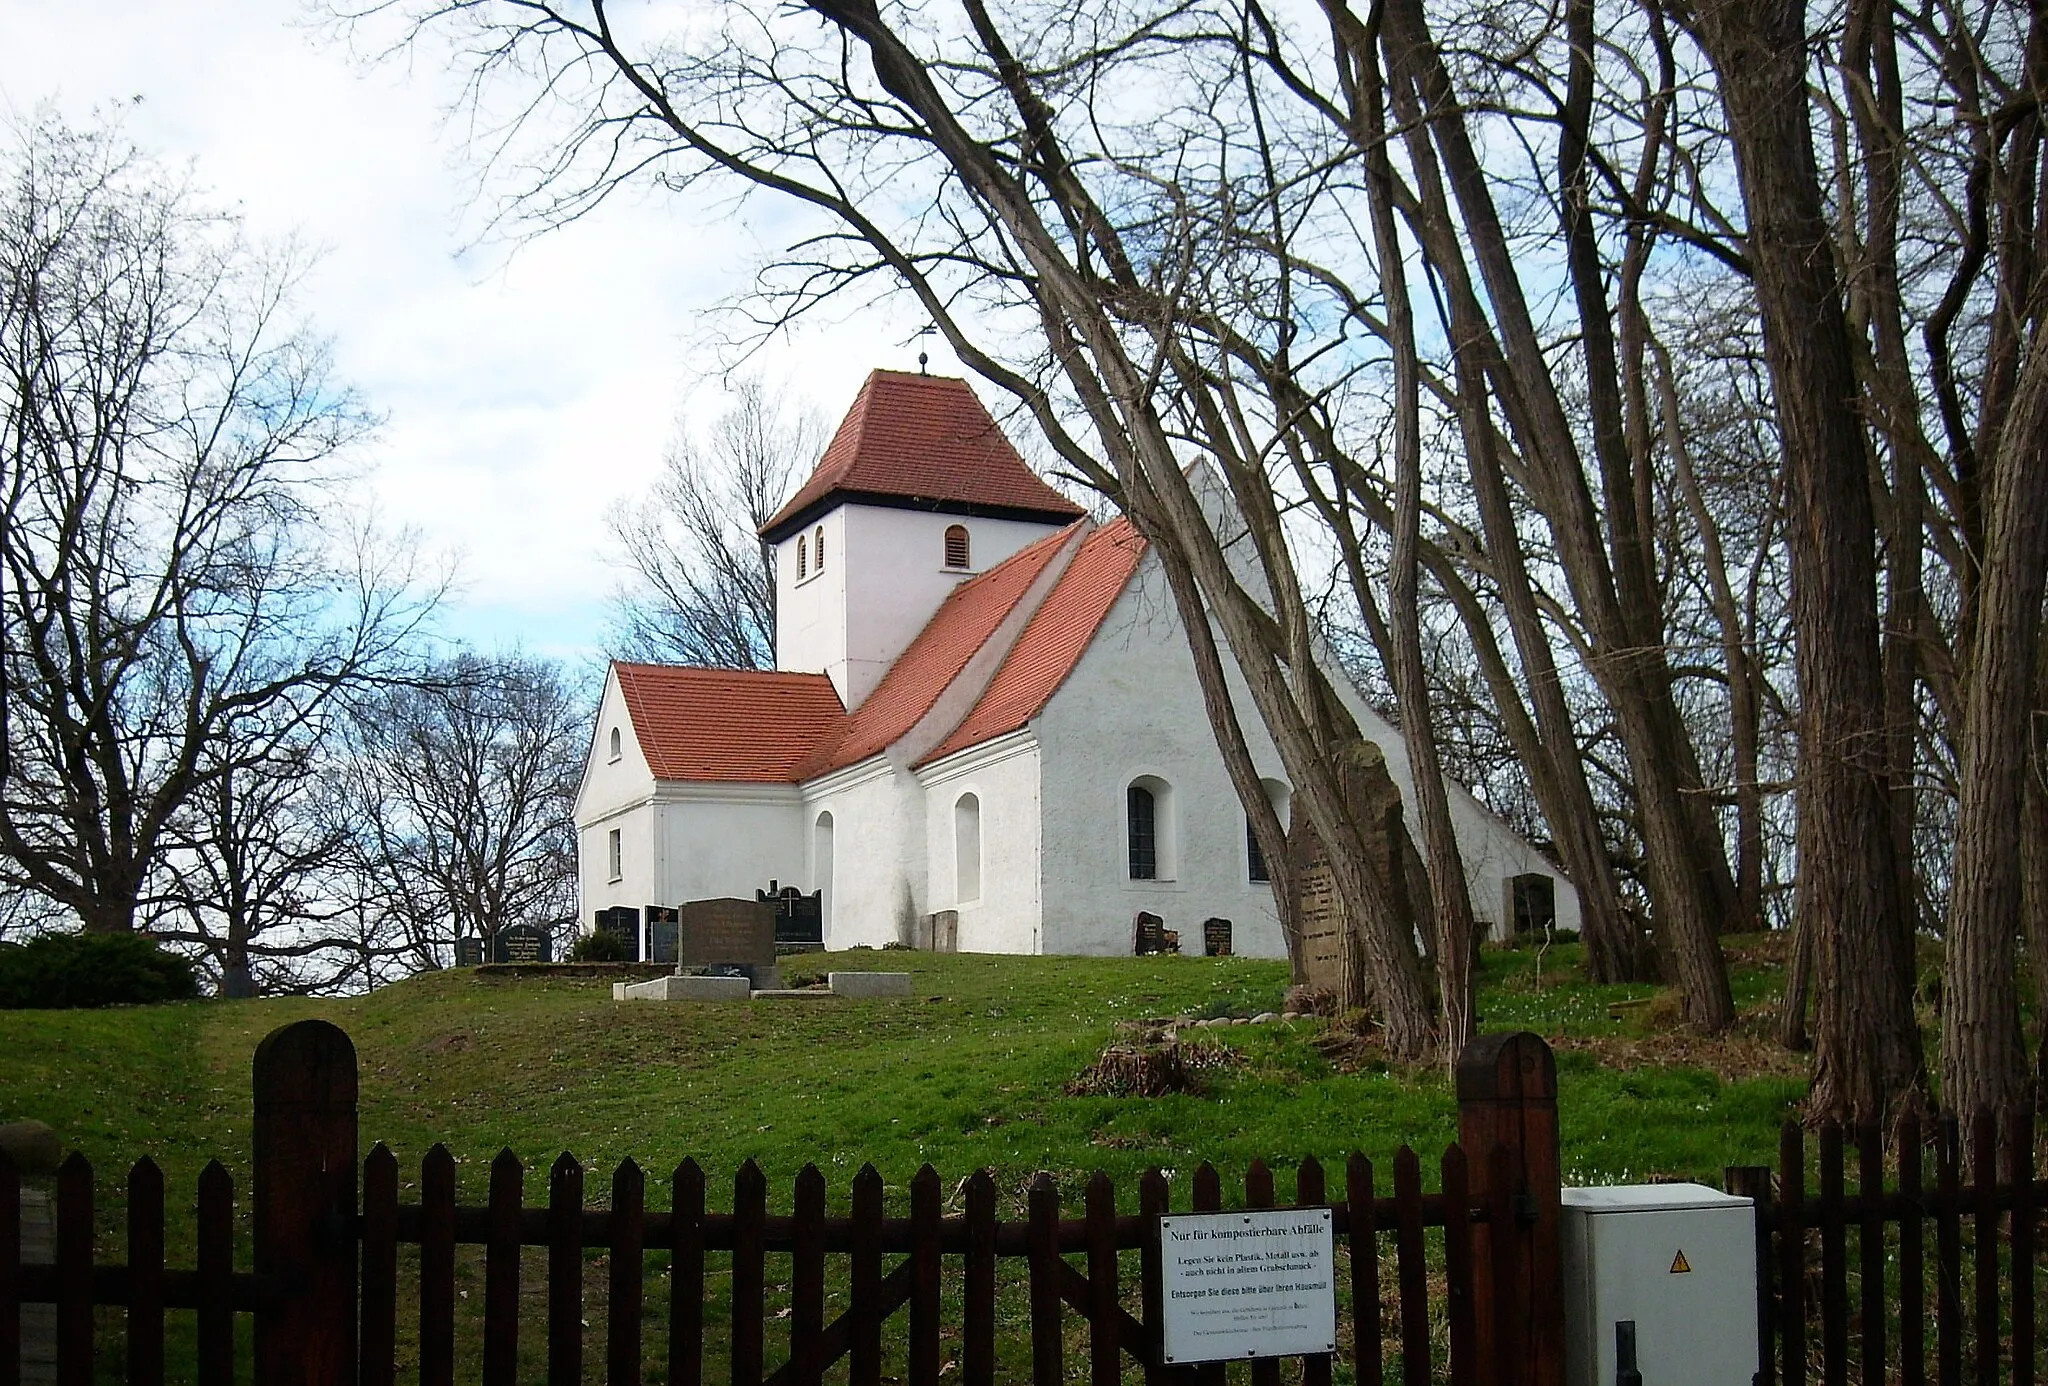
[1252, 1284]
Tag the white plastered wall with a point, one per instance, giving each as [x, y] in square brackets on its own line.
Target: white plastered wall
[1493, 852]
[884, 577]
[1003, 915]
[1131, 708]
[614, 794]
[877, 885]
[726, 840]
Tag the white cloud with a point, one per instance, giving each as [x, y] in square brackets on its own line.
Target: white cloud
[526, 388]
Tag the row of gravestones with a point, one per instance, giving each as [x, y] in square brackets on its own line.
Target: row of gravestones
[1152, 936]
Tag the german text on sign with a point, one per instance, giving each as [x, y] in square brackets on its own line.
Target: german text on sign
[1260, 1283]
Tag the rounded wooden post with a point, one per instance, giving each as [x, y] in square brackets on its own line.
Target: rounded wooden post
[1507, 1096]
[305, 1204]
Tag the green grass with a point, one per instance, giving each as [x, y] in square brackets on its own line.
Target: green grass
[970, 1073]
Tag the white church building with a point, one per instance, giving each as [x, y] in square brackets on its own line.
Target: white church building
[982, 703]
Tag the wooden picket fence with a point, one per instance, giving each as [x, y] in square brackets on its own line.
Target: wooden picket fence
[1459, 1274]
[1876, 1330]
[1461, 1285]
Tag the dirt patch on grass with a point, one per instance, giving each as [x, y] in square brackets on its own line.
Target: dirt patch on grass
[1747, 1050]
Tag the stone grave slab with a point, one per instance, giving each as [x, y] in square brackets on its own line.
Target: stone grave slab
[686, 988]
[867, 985]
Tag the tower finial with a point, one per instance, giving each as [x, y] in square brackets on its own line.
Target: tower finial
[922, 359]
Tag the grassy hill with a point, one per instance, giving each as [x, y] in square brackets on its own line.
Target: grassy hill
[972, 1072]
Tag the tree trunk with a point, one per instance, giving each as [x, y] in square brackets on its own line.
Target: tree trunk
[2034, 873]
[1867, 1047]
[1983, 1056]
[1453, 905]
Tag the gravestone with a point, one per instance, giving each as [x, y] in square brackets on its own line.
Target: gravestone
[522, 943]
[1216, 938]
[1332, 953]
[1150, 935]
[737, 934]
[469, 952]
[938, 932]
[623, 923]
[663, 934]
[799, 918]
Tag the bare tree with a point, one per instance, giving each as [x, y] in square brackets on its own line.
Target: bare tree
[460, 794]
[702, 585]
[1155, 225]
[174, 608]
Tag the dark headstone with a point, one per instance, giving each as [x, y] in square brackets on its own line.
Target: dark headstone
[469, 952]
[727, 931]
[1150, 935]
[799, 918]
[623, 921]
[522, 943]
[663, 933]
[1216, 938]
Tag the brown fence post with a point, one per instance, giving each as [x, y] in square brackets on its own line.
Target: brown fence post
[305, 1205]
[1507, 1096]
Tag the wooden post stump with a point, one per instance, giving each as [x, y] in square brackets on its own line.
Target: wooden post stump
[305, 1205]
[1507, 1098]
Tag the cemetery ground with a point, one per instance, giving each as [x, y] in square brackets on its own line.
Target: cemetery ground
[977, 1069]
[973, 1070]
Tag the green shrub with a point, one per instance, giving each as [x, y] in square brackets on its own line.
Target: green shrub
[64, 971]
[598, 947]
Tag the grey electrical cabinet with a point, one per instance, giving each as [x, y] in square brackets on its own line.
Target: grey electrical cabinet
[1675, 1266]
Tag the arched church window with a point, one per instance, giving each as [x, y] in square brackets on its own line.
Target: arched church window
[1141, 815]
[818, 549]
[967, 848]
[803, 557]
[956, 546]
[616, 744]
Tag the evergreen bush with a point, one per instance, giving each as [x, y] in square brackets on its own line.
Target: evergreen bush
[67, 971]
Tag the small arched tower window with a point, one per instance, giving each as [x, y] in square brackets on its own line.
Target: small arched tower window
[803, 557]
[957, 554]
[818, 549]
[616, 743]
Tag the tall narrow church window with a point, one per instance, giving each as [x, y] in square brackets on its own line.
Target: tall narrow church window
[1254, 855]
[956, 546]
[818, 549]
[617, 749]
[803, 557]
[614, 856]
[967, 848]
[1141, 816]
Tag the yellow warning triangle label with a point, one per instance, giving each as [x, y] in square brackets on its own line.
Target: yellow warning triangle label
[1680, 1266]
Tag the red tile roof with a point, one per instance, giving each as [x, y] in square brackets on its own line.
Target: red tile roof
[1054, 640]
[961, 626]
[728, 724]
[924, 440]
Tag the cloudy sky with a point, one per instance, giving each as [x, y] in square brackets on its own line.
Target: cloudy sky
[526, 387]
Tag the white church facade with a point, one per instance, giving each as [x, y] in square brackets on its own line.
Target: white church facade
[983, 703]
